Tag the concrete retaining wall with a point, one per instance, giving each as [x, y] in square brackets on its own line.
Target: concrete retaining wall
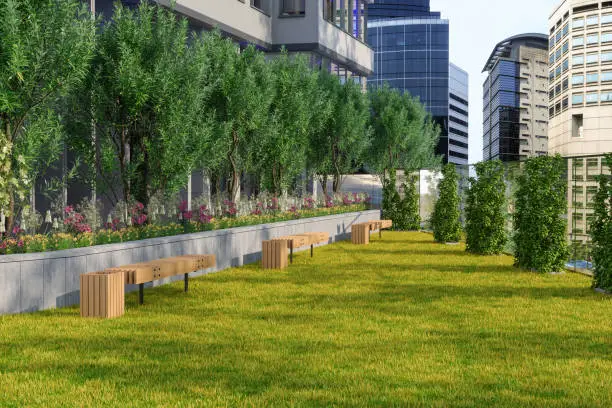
[32, 282]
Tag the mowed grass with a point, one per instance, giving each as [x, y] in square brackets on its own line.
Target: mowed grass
[402, 322]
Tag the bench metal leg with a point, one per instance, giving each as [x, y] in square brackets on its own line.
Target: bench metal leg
[186, 282]
[311, 251]
[141, 293]
[291, 252]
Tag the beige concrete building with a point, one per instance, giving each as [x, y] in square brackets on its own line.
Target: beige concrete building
[515, 99]
[333, 33]
[580, 127]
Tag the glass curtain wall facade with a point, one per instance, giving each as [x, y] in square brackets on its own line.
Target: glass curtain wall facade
[411, 53]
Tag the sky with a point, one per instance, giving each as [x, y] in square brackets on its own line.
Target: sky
[476, 26]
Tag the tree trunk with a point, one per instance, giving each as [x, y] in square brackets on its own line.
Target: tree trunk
[323, 181]
[337, 182]
[124, 160]
[234, 184]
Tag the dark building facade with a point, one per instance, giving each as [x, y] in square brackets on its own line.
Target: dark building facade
[411, 53]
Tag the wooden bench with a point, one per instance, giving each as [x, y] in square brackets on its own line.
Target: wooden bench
[141, 273]
[360, 233]
[274, 252]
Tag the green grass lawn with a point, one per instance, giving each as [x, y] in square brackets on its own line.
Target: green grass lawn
[402, 322]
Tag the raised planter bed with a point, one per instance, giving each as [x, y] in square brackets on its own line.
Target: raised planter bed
[32, 282]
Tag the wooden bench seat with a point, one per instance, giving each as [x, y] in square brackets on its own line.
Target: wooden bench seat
[272, 255]
[141, 273]
[360, 233]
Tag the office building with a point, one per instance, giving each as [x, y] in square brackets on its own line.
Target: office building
[411, 53]
[581, 100]
[331, 32]
[458, 116]
[515, 99]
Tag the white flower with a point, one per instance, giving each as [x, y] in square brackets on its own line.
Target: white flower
[55, 224]
[48, 219]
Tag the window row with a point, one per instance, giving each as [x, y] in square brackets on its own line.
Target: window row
[593, 58]
[591, 78]
[592, 20]
[578, 99]
[589, 39]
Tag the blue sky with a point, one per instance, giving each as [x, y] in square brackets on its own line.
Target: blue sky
[476, 26]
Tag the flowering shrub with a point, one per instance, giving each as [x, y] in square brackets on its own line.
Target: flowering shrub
[273, 206]
[204, 215]
[139, 218]
[75, 222]
[258, 209]
[294, 212]
[229, 209]
[309, 203]
[346, 200]
[184, 213]
[78, 233]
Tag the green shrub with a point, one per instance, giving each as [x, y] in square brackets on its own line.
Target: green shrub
[445, 218]
[409, 218]
[485, 210]
[541, 203]
[391, 199]
[601, 231]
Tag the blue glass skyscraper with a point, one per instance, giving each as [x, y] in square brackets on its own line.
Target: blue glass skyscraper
[411, 53]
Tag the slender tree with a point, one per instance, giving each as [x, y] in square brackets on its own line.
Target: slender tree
[242, 88]
[601, 230]
[145, 96]
[404, 137]
[485, 210]
[541, 204]
[282, 148]
[445, 218]
[410, 206]
[45, 48]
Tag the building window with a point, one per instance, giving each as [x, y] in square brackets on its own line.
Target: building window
[551, 42]
[606, 37]
[565, 65]
[578, 23]
[551, 60]
[558, 71]
[578, 80]
[577, 99]
[592, 39]
[592, 58]
[606, 96]
[592, 77]
[578, 60]
[592, 20]
[261, 5]
[578, 42]
[606, 56]
[565, 47]
[293, 8]
[592, 97]
[606, 19]
[565, 30]
[564, 104]
[606, 76]
[577, 124]
[565, 84]
[558, 54]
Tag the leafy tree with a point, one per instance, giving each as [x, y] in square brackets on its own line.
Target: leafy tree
[146, 96]
[391, 201]
[445, 218]
[485, 210]
[240, 101]
[323, 125]
[601, 230]
[404, 136]
[45, 48]
[281, 149]
[541, 203]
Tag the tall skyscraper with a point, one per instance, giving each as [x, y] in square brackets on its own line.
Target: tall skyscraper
[411, 53]
[458, 116]
[515, 99]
